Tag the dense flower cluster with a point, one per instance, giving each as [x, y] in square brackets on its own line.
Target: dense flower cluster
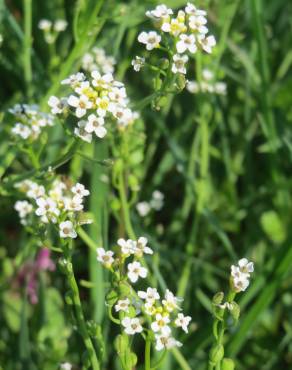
[240, 274]
[30, 121]
[51, 29]
[97, 60]
[93, 101]
[181, 35]
[143, 310]
[155, 203]
[207, 85]
[60, 204]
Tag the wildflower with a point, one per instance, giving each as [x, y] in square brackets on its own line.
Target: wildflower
[207, 43]
[66, 366]
[170, 301]
[79, 189]
[23, 207]
[73, 204]
[60, 25]
[187, 42]
[245, 266]
[160, 12]
[35, 191]
[135, 270]
[157, 200]
[105, 257]
[47, 208]
[197, 23]
[151, 295]
[143, 208]
[179, 62]
[95, 124]
[174, 27]
[45, 25]
[183, 322]
[240, 274]
[141, 247]
[150, 39]
[138, 63]
[132, 326]
[160, 322]
[81, 104]
[21, 130]
[101, 81]
[67, 230]
[81, 132]
[122, 305]
[74, 80]
[127, 246]
[164, 340]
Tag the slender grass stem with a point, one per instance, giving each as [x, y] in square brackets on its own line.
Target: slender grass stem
[27, 42]
[148, 354]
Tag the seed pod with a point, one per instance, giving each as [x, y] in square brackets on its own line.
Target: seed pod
[227, 364]
[216, 354]
[218, 298]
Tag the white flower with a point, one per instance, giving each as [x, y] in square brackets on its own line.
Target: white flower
[47, 207]
[66, 366]
[132, 326]
[127, 246]
[151, 295]
[73, 204]
[220, 88]
[240, 283]
[207, 43]
[227, 305]
[165, 340]
[80, 131]
[79, 189]
[245, 266]
[21, 130]
[101, 82]
[23, 207]
[122, 305]
[74, 80]
[170, 301]
[143, 208]
[179, 62]
[66, 230]
[57, 105]
[105, 257]
[45, 25]
[187, 42]
[135, 270]
[35, 191]
[190, 9]
[161, 11]
[81, 103]
[138, 63]
[207, 74]
[60, 25]
[141, 247]
[197, 23]
[174, 27]
[183, 322]
[160, 322]
[150, 39]
[103, 105]
[95, 124]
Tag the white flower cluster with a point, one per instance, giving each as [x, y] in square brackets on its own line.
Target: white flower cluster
[207, 85]
[182, 35]
[97, 60]
[30, 121]
[52, 29]
[60, 204]
[240, 274]
[138, 308]
[156, 203]
[94, 100]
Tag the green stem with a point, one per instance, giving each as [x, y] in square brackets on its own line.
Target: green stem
[79, 312]
[180, 359]
[125, 206]
[27, 41]
[148, 354]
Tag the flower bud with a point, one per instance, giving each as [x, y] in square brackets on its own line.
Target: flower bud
[227, 364]
[163, 63]
[216, 354]
[218, 298]
[180, 81]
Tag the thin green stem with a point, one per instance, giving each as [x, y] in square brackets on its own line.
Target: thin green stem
[148, 354]
[79, 312]
[27, 41]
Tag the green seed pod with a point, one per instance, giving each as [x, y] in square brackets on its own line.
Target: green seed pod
[216, 354]
[111, 297]
[163, 63]
[124, 289]
[157, 83]
[218, 298]
[180, 81]
[227, 364]
[235, 312]
[68, 298]
[121, 343]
